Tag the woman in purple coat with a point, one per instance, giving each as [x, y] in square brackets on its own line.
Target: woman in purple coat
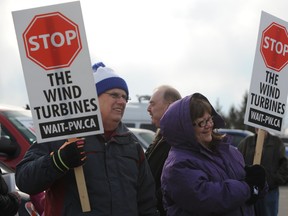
[204, 175]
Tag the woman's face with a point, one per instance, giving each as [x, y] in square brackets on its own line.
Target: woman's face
[203, 127]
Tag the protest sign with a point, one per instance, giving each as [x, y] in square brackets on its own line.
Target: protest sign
[266, 104]
[57, 70]
[58, 76]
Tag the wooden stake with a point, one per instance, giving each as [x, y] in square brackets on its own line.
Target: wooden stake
[259, 146]
[82, 189]
[81, 185]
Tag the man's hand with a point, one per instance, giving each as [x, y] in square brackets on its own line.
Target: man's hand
[69, 155]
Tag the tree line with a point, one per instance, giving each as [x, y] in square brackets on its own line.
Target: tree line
[235, 116]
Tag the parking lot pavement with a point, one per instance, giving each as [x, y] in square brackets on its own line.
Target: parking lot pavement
[283, 201]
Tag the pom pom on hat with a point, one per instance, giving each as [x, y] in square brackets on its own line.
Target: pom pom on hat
[105, 79]
[97, 65]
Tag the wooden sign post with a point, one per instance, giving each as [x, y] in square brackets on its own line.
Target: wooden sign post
[81, 185]
[82, 189]
[259, 146]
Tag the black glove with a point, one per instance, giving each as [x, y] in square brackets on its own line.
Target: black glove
[255, 178]
[69, 155]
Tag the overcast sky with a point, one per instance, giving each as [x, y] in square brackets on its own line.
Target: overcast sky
[205, 46]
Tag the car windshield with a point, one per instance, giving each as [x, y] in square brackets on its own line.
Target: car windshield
[22, 120]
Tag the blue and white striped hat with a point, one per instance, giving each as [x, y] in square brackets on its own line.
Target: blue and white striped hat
[105, 78]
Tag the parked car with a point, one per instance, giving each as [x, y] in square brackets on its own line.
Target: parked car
[144, 136]
[236, 134]
[16, 134]
[136, 116]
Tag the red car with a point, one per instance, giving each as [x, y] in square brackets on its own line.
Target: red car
[16, 135]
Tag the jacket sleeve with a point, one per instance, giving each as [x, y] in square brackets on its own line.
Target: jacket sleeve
[146, 188]
[9, 202]
[35, 173]
[282, 172]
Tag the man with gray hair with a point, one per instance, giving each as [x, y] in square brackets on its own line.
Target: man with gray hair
[157, 152]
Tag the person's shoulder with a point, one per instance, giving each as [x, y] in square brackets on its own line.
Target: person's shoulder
[249, 140]
[276, 139]
[125, 136]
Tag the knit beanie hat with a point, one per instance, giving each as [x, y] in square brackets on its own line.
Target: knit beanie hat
[105, 78]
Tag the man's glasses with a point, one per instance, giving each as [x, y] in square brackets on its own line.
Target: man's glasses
[204, 122]
[116, 96]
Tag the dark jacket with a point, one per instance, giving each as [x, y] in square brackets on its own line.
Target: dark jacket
[156, 155]
[197, 181]
[9, 202]
[118, 178]
[273, 158]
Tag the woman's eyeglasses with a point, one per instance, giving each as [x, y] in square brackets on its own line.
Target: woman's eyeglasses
[204, 122]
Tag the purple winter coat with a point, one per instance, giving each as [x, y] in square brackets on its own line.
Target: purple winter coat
[196, 181]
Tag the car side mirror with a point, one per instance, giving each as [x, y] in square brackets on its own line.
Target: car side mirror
[6, 146]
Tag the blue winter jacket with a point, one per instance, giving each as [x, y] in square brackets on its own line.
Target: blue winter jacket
[118, 178]
[196, 181]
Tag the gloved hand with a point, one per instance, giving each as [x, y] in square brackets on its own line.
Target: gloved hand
[255, 178]
[69, 155]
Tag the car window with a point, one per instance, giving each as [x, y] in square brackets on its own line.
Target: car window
[131, 125]
[5, 133]
[23, 121]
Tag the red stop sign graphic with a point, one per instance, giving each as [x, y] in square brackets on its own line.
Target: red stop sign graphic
[52, 41]
[274, 47]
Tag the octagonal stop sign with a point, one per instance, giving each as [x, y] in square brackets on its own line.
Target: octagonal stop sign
[52, 41]
[274, 47]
